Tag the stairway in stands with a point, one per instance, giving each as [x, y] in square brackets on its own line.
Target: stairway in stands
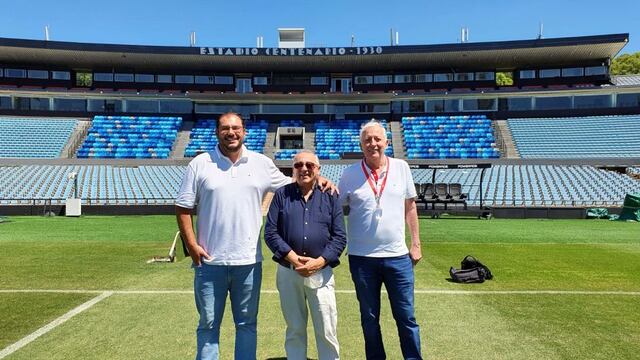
[503, 135]
[396, 140]
[182, 140]
[270, 146]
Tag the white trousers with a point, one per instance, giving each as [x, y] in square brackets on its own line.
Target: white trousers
[321, 300]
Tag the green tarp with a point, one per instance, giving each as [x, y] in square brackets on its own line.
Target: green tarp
[597, 213]
[630, 208]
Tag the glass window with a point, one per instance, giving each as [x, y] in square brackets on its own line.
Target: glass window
[340, 110]
[549, 73]
[224, 79]
[364, 80]
[39, 103]
[479, 104]
[5, 102]
[70, 105]
[382, 79]
[416, 106]
[15, 73]
[283, 108]
[1, 72]
[142, 106]
[260, 80]
[422, 78]
[485, 76]
[204, 79]
[184, 79]
[38, 74]
[102, 77]
[223, 108]
[21, 103]
[382, 108]
[120, 77]
[100, 105]
[402, 79]
[592, 101]
[442, 77]
[243, 85]
[527, 74]
[628, 100]
[516, 104]
[571, 72]
[451, 105]
[464, 76]
[318, 108]
[553, 103]
[175, 106]
[595, 70]
[144, 78]
[319, 80]
[164, 79]
[435, 106]
[61, 75]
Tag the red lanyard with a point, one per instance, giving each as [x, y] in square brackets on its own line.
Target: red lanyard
[375, 176]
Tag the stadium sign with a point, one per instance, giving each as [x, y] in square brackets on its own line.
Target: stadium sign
[220, 51]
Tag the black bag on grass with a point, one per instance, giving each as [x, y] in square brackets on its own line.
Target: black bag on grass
[471, 271]
[469, 262]
[467, 276]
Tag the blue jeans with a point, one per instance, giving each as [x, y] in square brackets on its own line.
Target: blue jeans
[211, 284]
[396, 273]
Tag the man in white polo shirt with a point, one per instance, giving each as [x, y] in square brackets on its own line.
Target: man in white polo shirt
[227, 184]
[379, 196]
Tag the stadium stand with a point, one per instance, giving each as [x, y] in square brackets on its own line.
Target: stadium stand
[446, 137]
[286, 154]
[34, 137]
[333, 138]
[504, 185]
[97, 184]
[203, 136]
[577, 137]
[136, 137]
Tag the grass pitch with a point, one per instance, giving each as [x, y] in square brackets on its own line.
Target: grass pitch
[564, 289]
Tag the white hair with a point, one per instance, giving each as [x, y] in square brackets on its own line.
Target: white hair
[372, 123]
[305, 151]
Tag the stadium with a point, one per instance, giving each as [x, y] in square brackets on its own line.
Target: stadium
[103, 132]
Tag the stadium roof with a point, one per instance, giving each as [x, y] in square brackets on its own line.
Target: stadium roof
[536, 53]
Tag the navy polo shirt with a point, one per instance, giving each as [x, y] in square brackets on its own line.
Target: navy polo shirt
[310, 228]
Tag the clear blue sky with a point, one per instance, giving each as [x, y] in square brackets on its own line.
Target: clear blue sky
[327, 22]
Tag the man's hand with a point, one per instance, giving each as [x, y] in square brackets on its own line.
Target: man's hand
[310, 265]
[293, 259]
[325, 184]
[197, 252]
[415, 253]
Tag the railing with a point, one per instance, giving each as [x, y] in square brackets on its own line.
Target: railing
[50, 202]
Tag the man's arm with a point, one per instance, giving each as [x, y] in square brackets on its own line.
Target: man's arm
[272, 237]
[185, 223]
[411, 218]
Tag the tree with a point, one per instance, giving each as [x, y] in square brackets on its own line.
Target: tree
[504, 78]
[626, 64]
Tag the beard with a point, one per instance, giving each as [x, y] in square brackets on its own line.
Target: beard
[231, 148]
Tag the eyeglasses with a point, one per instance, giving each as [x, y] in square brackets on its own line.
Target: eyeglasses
[309, 165]
[227, 129]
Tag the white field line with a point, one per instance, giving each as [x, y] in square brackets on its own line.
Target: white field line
[271, 291]
[50, 326]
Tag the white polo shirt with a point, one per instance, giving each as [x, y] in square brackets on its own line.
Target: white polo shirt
[366, 235]
[229, 199]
